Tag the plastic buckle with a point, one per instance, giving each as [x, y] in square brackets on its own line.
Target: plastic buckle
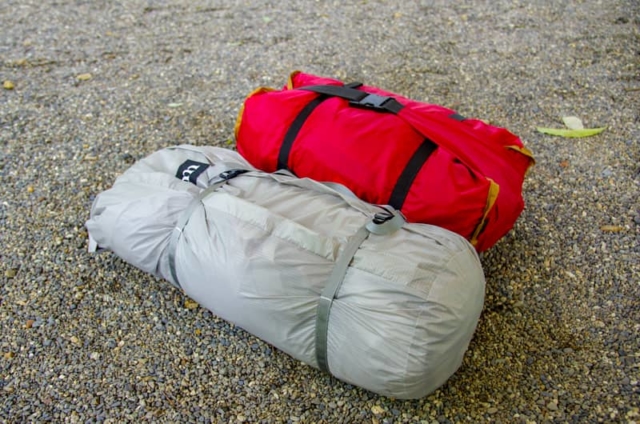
[371, 101]
[232, 173]
[387, 222]
[381, 218]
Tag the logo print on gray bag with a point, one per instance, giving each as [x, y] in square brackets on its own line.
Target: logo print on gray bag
[190, 170]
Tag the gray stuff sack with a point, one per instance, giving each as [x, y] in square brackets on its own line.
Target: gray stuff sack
[340, 284]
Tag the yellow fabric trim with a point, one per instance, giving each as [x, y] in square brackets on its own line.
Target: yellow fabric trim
[290, 80]
[492, 196]
[522, 150]
[259, 90]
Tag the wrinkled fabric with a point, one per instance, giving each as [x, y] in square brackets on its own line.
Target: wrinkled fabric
[259, 250]
[470, 184]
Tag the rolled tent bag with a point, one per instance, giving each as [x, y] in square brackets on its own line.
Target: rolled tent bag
[428, 161]
[340, 284]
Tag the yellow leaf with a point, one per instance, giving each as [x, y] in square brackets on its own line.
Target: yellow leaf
[84, 77]
[8, 85]
[586, 132]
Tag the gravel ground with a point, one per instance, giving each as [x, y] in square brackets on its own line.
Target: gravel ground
[91, 86]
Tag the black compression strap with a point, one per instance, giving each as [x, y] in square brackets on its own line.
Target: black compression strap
[354, 84]
[294, 129]
[358, 98]
[345, 92]
[403, 185]
[296, 125]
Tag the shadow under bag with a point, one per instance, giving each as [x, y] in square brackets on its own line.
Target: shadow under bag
[335, 282]
[428, 161]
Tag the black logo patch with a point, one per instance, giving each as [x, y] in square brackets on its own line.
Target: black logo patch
[190, 170]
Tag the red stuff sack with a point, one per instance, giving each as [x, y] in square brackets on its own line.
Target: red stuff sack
[428, 161]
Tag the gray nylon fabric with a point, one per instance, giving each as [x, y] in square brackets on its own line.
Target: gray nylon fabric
[182, 221]
[329, 293]
[261, 250]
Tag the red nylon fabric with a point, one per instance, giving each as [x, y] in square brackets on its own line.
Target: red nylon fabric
[368, 150]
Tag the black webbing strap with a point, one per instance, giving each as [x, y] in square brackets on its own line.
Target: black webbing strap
[296, 126]
[294, 129]
[358, 98]
[456, 116]
[410, 172]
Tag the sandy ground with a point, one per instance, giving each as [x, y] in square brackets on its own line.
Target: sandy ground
[91, 86]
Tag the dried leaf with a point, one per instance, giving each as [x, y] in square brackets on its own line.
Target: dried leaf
[29, 323]
[8, 85]
[612, 228]
[573, 122]
[587, 132]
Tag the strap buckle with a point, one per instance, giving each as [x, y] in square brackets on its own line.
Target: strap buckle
[381, 217]
[387, 222]
[372, 101]
[232, 173]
